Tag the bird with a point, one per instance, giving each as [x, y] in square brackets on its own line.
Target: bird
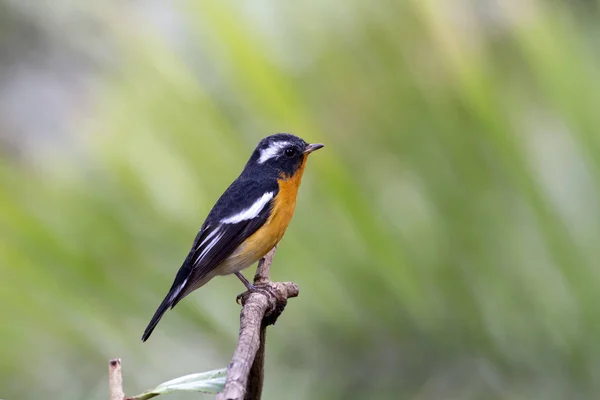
[246, 222]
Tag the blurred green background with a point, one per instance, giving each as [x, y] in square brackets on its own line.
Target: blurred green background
[445, 241]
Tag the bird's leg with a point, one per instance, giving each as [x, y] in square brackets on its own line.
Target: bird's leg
[252, 288]
[245, 281]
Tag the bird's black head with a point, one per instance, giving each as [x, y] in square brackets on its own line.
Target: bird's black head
[283, 154]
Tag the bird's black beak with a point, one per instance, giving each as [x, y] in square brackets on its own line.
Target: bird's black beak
[312, 147]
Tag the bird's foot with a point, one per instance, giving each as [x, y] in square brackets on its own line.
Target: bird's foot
[265, 290]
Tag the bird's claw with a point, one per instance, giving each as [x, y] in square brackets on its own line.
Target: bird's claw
[265, 290]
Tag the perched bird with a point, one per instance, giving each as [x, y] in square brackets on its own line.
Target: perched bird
[247, 221]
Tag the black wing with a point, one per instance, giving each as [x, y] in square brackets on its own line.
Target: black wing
[219, 236]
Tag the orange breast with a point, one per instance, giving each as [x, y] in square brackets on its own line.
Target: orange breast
[264, 239]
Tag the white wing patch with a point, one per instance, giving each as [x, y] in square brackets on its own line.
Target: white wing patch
[179, 289]
[272, 151]
[209, 245]
[250, 212]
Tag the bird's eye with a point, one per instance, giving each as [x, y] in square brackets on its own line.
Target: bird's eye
[290, 152]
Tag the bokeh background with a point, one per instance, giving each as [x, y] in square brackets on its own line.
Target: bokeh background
[446, 241]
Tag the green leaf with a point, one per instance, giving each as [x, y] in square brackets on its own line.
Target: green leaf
[205, 382]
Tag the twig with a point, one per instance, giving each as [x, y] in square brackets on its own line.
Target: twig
[115, 380]
[263, 270]
[205, 382]
[245, 373]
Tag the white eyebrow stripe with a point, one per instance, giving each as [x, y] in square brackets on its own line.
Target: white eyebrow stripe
[250, 212]
[272, 151]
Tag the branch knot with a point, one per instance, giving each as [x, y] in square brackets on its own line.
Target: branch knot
[274, 294]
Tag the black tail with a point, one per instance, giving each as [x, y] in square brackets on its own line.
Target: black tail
[164, 306]
[176, 293]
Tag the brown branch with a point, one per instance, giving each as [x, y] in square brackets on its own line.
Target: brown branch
[256, 377]
[245, 373]
[115, 380]
[264, 268]
[257, 372]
